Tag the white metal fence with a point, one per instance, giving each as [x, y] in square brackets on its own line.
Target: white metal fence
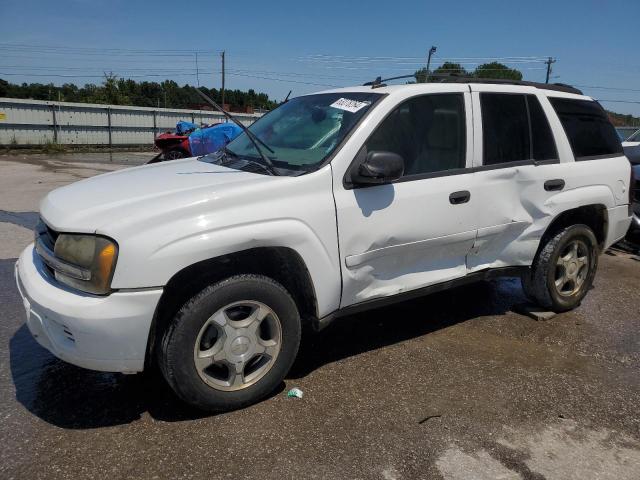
[36, 122]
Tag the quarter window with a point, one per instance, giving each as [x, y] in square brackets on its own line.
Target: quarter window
[588, 128]
[542, 143]
[505, 128]
[427, 131]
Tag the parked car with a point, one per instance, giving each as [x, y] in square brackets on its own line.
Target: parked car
[625, 132]
[335, 203]
[632, 148]
[633, 235]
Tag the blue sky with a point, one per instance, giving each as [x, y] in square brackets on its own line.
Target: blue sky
[304, 46]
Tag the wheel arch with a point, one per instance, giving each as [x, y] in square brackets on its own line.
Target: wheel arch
[595, 216]
[282, 264]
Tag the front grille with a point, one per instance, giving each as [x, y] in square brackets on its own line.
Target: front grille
[48, 237]
[52, 235]
[637, 191]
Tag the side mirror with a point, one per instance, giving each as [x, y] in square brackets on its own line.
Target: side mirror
[378, 168]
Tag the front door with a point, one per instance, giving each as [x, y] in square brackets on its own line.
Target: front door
[418, 230]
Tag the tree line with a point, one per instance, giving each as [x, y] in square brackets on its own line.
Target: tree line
[120, 91]
[493, 70]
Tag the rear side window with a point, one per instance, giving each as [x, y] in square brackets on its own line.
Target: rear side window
[590, 132]
[505, 128]
[515, 129]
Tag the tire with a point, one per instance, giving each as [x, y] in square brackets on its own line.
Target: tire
[196, 331]
[174, 154]
[563, 271]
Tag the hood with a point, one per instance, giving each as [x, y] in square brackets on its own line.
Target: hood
[92, 204]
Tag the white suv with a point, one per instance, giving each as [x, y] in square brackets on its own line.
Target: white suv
[354, 198]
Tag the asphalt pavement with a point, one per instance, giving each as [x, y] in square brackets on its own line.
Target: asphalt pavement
[452, 386]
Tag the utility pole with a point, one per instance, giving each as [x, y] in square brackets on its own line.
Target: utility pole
[197, 71]
[549, 62]
[432, 50]
[222, 55]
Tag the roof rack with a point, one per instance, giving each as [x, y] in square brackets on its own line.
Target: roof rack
[453, 78]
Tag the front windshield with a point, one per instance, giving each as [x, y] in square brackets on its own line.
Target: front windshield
[305, 130]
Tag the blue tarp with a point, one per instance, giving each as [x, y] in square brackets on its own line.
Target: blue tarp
[185, 127]
[209, 139]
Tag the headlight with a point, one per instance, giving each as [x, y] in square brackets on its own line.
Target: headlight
[85, 262]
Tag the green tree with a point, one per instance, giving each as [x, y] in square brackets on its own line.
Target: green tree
[447, 68]
[496, 70]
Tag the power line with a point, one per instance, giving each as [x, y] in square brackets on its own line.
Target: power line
[618, 101]
[170, 71]
[620, 89]
[417, 59]
[98, 50]
[284, 80]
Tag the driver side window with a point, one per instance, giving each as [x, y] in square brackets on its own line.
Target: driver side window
[427, 131]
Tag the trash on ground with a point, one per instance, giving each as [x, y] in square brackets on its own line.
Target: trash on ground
[295, 393]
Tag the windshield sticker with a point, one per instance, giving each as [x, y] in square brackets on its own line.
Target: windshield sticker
[349, 105]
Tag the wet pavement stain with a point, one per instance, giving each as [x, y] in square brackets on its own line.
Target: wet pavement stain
[486, 378]
[28, 220]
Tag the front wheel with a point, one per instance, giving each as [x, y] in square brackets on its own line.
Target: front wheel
[563, 272]
[232, 344]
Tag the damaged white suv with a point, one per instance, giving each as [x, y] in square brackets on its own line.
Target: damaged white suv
[336, 202]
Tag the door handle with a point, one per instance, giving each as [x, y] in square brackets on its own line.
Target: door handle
[457, 198]
[553, 185]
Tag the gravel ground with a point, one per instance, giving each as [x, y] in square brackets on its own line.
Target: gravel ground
[451, 386]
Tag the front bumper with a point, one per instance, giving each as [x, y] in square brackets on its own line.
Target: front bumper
[106, 333]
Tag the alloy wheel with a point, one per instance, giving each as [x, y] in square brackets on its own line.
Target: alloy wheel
[237, 345]
[572, 268]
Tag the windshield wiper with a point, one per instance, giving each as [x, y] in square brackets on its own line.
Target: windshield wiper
[254, 139]
[229, 153]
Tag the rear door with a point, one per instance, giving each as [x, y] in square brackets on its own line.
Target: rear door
[416, 231]
[518, 168]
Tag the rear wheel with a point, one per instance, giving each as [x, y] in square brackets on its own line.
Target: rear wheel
[563, 272]
[232, 344]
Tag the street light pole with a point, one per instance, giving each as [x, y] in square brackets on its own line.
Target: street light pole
[432, 50]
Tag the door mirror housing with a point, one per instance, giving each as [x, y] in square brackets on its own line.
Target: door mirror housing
[378, 168]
